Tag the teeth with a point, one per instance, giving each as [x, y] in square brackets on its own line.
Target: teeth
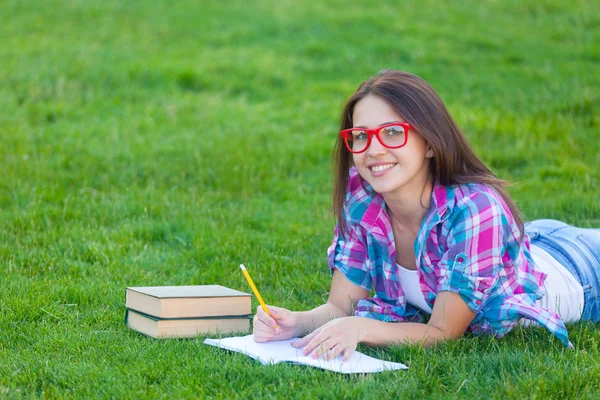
[379, 168]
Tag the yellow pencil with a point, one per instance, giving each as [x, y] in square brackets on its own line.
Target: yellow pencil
[255, 290]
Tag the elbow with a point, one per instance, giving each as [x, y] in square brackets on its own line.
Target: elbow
[338, 310]
[442, 334]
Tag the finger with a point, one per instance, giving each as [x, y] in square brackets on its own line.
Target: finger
[273, 311]
[305, 341]
[260, 336]
[348, 354]
[302, 342]
[276, 314]
[323, 348]
[266, 335]
[334, 352]
[311, 346]
[260, 339]
[261, 332]
[257, 323]
[315, 342]
[263, 317]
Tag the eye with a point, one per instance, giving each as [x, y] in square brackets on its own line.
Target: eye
[359, 135]
[394, 130]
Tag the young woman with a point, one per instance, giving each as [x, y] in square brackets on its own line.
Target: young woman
[427, 227]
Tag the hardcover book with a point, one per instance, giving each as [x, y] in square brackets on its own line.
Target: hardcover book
[185, 327]
[188, 301]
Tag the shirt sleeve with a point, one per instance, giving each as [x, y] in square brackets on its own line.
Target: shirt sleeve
[472, 262]
[348, 255]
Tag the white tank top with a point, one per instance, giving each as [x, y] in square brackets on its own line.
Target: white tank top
[564, 295]
[409, 282]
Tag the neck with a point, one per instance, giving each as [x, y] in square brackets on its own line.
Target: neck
[408, 205]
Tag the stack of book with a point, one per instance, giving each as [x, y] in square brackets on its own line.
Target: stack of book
[186, 311]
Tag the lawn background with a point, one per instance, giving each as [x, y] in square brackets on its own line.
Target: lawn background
[165, 143]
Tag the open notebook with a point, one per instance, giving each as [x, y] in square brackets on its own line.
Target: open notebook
[276, 352]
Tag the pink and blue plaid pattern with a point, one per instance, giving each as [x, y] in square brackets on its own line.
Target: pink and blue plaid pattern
[468, 244]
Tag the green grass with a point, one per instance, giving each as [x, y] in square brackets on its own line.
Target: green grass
[165, 143]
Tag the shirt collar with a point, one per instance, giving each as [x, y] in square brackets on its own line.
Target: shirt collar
[442, 200]
[365, 206]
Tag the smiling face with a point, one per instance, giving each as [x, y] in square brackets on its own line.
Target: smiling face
[388, 170]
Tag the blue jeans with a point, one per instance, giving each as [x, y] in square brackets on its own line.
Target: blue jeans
[577, 249]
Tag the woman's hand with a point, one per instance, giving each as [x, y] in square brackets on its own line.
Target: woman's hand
[281, 325]
[339, 336]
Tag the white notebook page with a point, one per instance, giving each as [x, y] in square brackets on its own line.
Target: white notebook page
[282, 351]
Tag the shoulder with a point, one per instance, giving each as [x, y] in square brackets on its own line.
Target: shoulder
[477, 208]
[477, 200]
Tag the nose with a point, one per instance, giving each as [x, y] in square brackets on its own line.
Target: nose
[376, 148]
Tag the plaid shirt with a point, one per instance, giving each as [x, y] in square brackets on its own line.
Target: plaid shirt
[468, 244]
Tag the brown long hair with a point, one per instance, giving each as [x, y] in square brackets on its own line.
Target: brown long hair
[413, 99]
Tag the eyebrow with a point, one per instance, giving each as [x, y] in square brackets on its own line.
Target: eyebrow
[385, 123]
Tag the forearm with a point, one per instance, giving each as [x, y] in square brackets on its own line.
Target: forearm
[380, 333]
[310, 320]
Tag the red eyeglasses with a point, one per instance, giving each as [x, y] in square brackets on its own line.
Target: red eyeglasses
[392, 136]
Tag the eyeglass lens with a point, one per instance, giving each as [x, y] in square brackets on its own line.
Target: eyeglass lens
[391, 136]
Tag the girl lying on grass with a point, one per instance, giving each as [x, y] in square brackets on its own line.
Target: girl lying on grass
[429, 228]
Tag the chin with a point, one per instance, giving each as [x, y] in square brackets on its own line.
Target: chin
[384, 187]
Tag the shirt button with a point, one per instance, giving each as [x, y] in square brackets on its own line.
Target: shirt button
[478, 302]
[460, 259]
